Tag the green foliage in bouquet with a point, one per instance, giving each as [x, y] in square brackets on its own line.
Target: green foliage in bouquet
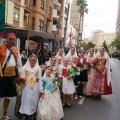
[84, 67]
[58, 82]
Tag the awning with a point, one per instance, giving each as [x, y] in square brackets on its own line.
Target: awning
[33, 35]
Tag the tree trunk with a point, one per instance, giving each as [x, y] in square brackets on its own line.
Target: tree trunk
[79, 24]
[65, 31]
[82, 21]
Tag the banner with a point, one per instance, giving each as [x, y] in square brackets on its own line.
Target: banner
[2, 16]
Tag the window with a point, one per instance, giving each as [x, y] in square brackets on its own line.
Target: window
[42, 4]
[34, 2]
[33, 23]
[41, 25]
[16, 14]
[50, 10]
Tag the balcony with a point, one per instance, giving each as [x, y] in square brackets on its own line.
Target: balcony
[55, 14]
[28, 8]
[57, 6]
[54, 28]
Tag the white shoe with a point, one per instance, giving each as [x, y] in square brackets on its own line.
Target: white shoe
[80, 96]
[76, 97]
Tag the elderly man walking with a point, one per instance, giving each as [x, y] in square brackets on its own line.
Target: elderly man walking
[10, 62]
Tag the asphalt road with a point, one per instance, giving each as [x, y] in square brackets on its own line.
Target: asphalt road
[89, 108]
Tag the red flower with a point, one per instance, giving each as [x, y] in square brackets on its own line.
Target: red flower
[20, 80]
[90, 64]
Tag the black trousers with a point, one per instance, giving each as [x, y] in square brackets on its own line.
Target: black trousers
[79, 89]
[8, 87]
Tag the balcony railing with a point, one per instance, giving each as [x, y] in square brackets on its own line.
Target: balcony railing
[54, 28]
[55, 14]
[28, 7]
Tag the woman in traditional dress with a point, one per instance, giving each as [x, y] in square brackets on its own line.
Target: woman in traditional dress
[91, 61]
[81, 79]
[53, 62]
[30, 93]
[102, 83]
[50, 107]
[72, 52]
[60, 53]
[68, 87]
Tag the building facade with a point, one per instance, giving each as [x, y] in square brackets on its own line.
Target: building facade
[118, 20]
[74, 16]
[33, 20]
[99, 37]
[107, 37]
[17, 13]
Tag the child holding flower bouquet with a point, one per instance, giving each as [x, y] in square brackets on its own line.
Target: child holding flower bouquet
[82, 78]
[68, 87]
[50, 106]
[29, 93]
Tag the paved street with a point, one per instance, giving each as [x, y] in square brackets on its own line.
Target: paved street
[90, 109]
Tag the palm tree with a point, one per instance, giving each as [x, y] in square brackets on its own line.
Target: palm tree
[82, 4]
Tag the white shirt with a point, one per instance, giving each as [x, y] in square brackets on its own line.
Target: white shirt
[81, 60]
[12, 61]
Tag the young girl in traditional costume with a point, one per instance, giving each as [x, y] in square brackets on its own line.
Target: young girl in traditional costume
[59, 61]
[68, 87]
[91, 61]
[50, 107]
[30, 93]
[60, 53]
[82, 78]
[102, 83]
[53, 62]
[72, 52]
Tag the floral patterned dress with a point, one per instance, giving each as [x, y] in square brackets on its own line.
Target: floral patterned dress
[50, 108]
[100, 85]
[91, 76]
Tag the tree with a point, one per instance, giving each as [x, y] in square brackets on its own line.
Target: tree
[116, 43]
[88, 45]
[105, 46]
[82, 4]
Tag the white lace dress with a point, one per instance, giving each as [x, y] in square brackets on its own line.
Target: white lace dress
[50, 108]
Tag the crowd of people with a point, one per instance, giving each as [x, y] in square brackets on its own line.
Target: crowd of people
[42, 55]
[45, 92]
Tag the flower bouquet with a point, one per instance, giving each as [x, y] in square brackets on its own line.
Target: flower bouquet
[84, 67]
[58, 82]
[20, 82]
[92, 64]
[74, 70]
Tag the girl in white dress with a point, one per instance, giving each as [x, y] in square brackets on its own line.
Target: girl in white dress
[32, 90]
[68, 87]
[50, 107]
[60, 53]
[72, 53]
